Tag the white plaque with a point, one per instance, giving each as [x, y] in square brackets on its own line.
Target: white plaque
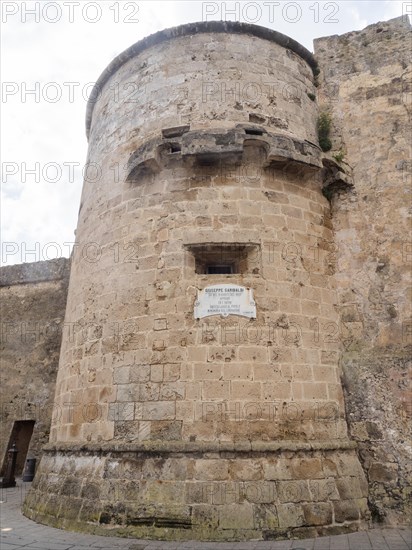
[225, 300]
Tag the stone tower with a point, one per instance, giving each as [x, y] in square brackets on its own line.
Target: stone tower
[198, 393]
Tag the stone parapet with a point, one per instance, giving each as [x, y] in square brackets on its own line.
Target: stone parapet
[20, 274]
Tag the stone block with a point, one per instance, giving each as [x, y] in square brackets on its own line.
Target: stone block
[193, 390]
[71, 487]
[323, 489]
[197, 353]
[259, 492]
[121, 375]
[218, 354]
[293, 491]
[253, 354]
[278, 469]
[307, 468]
[346, 510]
[208, 371]
[315, 390]
[237, 371]
[171, 372]
[246, 470]
[205, 516]
[290, 515]
[276, 390]
[292, 211]
[302, 372]
[165, 492]
[166, 430]
[317, 513]
[215, 389]
[159, 410]
[236, 516]
[185, 410]
[211, 469]
[245, 390]
[150, 391]
[90, 491]
[128, 392]
[156, 373]
[383, 473]
[160, 324]
[349, 488]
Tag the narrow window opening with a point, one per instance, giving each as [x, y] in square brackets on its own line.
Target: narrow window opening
[175, 148]
[225, 259]
[219, 269]
[253, 132]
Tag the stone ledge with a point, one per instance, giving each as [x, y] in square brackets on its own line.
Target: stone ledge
[201, 447]
[208, 147]
[337, 177]
[35, 272]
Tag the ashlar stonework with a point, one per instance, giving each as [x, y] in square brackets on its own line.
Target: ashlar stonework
[232, 428]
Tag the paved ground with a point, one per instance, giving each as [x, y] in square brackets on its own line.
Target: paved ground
[19, 532]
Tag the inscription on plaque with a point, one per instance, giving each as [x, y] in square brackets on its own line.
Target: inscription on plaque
[225, 300]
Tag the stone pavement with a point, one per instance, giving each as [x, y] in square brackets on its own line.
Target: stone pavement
[20, 532]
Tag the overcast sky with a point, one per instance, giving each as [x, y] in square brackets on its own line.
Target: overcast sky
[56, 50]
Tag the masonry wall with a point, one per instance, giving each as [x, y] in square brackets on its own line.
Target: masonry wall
[165, 406]
[366, 86]
[33, 302]
[147, 372]
[176, 193]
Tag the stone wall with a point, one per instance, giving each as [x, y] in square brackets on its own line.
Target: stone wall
[158, 403]
[365, 84]
[33, 302]
[239, 428]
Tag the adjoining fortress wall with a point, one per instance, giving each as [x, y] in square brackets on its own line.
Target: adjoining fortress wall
[33, 302]
[365, 84]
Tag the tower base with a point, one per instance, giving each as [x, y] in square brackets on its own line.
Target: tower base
[203, 491]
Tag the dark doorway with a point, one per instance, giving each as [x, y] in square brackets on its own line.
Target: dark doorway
[20, 435]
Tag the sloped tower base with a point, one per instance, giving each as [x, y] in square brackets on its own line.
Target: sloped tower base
[273, 492]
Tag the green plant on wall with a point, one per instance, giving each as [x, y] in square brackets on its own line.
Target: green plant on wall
[323, 126]
[339, 156]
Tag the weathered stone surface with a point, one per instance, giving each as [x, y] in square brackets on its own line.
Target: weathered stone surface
[191, 492]
[346, 510]
[237, 517]
[235, 428]
[33, 301]
[318, 513]
[365, 85]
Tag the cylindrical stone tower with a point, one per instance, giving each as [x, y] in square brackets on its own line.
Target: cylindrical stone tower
[198, 393]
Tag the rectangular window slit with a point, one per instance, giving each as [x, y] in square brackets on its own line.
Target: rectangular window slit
[254, 132]
[225, 258]
[219, 269]
[175, 148]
